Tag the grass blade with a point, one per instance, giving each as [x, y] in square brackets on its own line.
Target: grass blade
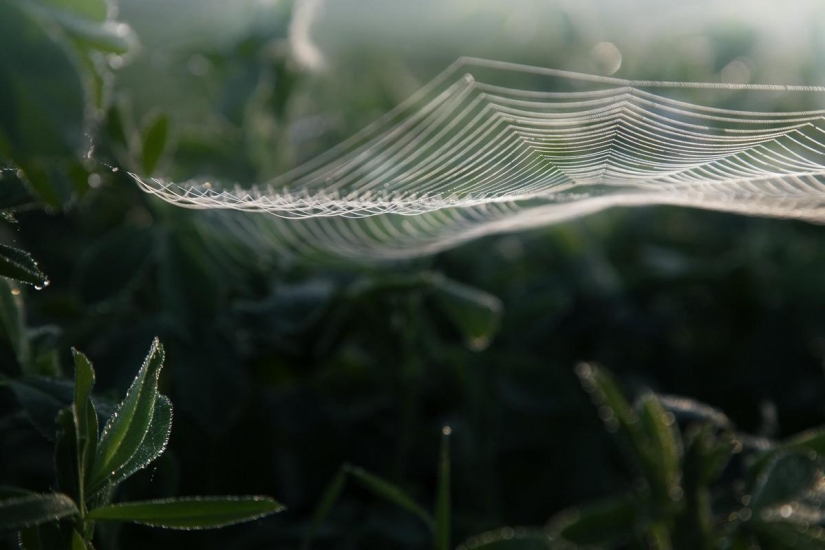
[389, 492]
[189, 513]
[442, 499]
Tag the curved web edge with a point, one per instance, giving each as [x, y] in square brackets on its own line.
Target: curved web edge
[466, 157]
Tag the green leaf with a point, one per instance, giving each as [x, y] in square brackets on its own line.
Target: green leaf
[389, 492]
[19, 265]
[705, 457]
[328, 500]
[784, 479]
[609, 522]
[78, 543]
[662, 447]
[128, 426]
[442, 500]
[615, 411]
[42, 398]
[28, 511]
[153, 444]
[190, 513]
[154, 141]
[85, 417]
[12, 323]
[84, 381]
[477, 314]
[606, 393]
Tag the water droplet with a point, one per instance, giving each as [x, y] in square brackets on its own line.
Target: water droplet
[15, 292]
[446, 430]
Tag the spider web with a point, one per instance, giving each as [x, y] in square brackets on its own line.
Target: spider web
[503, 147]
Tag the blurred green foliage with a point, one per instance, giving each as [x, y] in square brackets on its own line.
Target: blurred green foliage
[283, 371]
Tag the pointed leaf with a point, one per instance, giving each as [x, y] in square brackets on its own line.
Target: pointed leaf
[662, 447]
[190, 513]
[84, 380]
[19, 265]
[606, 393]
[389, 492]
[128, 426]
[328, 500]
[28, 511]
[153, 444]
[442, 502]
[85, 417]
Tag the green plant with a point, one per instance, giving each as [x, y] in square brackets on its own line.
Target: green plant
[680, 499]
[438, 522]
[90, 464]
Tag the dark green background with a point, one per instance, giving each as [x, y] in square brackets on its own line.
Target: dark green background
[280, 372]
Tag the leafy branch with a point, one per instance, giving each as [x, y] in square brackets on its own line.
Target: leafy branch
[90, 464]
